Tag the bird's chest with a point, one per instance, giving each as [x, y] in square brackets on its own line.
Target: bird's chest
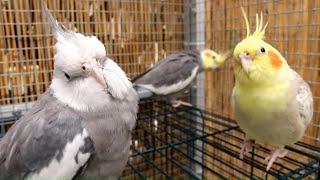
[259, 103]
[258, 109]
[110, 133]
[263, 114]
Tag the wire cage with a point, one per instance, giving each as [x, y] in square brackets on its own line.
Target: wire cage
[199, 142]
[168, 142]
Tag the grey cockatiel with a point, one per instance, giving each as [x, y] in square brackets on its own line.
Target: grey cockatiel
[176, 73]
[81, 126]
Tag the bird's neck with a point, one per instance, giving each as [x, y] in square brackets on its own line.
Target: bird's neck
[84, 96]
[201, 65]
[262, 78]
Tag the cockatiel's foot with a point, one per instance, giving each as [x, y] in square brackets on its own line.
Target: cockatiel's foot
[246, 147]
[177, 103]
[278, 153]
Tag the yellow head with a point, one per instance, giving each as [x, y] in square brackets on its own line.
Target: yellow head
[212, 60]
[256, 60]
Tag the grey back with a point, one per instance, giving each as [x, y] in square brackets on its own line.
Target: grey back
[175, 68]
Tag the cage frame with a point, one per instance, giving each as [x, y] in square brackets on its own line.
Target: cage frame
[194, 38]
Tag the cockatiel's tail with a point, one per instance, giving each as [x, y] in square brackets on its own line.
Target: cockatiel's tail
[212, 60]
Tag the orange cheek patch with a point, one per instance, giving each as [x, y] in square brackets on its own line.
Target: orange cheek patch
[208, 55]
[275, 60]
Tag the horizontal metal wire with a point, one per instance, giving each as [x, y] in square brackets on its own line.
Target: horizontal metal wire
[181, 130]
[184, 131]
[172, 140]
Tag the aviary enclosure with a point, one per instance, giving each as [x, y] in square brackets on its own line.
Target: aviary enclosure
[199, 142]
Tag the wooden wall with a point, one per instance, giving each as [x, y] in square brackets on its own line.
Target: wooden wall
[139, 33]
[293, 29]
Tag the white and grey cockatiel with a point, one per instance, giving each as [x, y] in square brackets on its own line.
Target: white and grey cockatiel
[81, 126]
[271, 101]
[178, 71]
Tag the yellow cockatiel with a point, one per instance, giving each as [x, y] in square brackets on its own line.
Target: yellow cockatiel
[272, 103]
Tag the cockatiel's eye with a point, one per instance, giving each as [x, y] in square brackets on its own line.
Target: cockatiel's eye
[261, 51]
[83, 68]
[213, 57]
[67, 76]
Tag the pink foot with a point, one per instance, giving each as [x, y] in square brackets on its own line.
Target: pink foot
[177, 103]
[278, 153]
[246, 147]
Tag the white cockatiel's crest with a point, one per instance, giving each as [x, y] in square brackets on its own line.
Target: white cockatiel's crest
[84, 78]
[72, 51]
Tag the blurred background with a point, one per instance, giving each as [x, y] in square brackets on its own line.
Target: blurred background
[186, 142]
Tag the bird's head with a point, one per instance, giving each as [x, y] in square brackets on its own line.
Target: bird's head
[84, 78]
[212, 60]
[256, 60]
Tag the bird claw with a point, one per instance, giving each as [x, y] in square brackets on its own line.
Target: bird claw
[177, 103]
[278, 153]
[246, 147]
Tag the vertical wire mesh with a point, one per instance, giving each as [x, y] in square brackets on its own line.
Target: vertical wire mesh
[139, 33]
[293, 29]
[136, 34]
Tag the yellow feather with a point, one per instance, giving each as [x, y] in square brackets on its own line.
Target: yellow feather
[246, 20]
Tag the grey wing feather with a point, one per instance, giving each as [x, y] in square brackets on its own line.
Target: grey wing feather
[39, 137]
[175, 68]
[305, 103]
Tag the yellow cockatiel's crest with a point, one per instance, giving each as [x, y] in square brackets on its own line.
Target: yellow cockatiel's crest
[260, 30]
[256, 60]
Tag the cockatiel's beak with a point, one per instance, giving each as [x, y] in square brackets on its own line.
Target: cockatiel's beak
[212, 60]
[96, 72]
[224, 57]
[245, 60]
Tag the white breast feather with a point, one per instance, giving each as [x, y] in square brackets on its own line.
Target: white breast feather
[165, 90]
[67, 167]
[86, 95]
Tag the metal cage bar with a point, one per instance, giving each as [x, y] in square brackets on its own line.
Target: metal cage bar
[198, 142]
[183, 134]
